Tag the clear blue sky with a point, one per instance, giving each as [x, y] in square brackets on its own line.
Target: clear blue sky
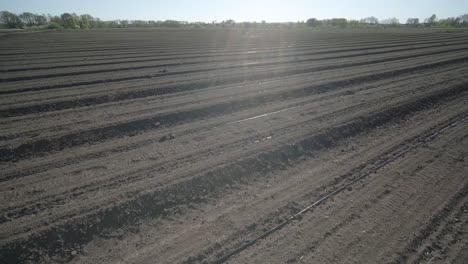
[241, 10]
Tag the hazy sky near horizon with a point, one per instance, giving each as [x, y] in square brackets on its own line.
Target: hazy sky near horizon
[241, 10]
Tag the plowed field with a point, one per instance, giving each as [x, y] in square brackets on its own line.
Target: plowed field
[236, 146]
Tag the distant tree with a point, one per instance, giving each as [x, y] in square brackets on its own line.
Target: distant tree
[112, 24]
[41, 20]
[124, 23]
[69, 21]
[228, 23]
[85, 21]
[10, 20]
[249, 24]
[339, 22]
[55, 19]
[412, 21]
[370, 20]
[171, 23]
[140, 23]
[354, 23]
[74, 21]
[431, 20]
[28, 18]
[463, 20]
[391, 21]
[54, 25]
[313, 22]
[449, 22]
[100, 24]
[92, 21]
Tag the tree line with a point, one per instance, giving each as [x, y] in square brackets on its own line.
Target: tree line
[65, 20]
[74, 21]
[432, 21]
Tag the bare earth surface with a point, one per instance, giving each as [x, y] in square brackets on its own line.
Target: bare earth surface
[236, 146]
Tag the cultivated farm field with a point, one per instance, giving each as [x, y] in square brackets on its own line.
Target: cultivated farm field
[233, 146]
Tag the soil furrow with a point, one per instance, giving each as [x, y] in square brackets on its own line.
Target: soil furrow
[236, 58]
[105, 133]
[81, 229]
[171, 88]
[231, 67]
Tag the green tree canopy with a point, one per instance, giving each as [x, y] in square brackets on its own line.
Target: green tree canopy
[69, 20]
[431, 20]
[10, 20]
[313, 22]
[412, 21]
